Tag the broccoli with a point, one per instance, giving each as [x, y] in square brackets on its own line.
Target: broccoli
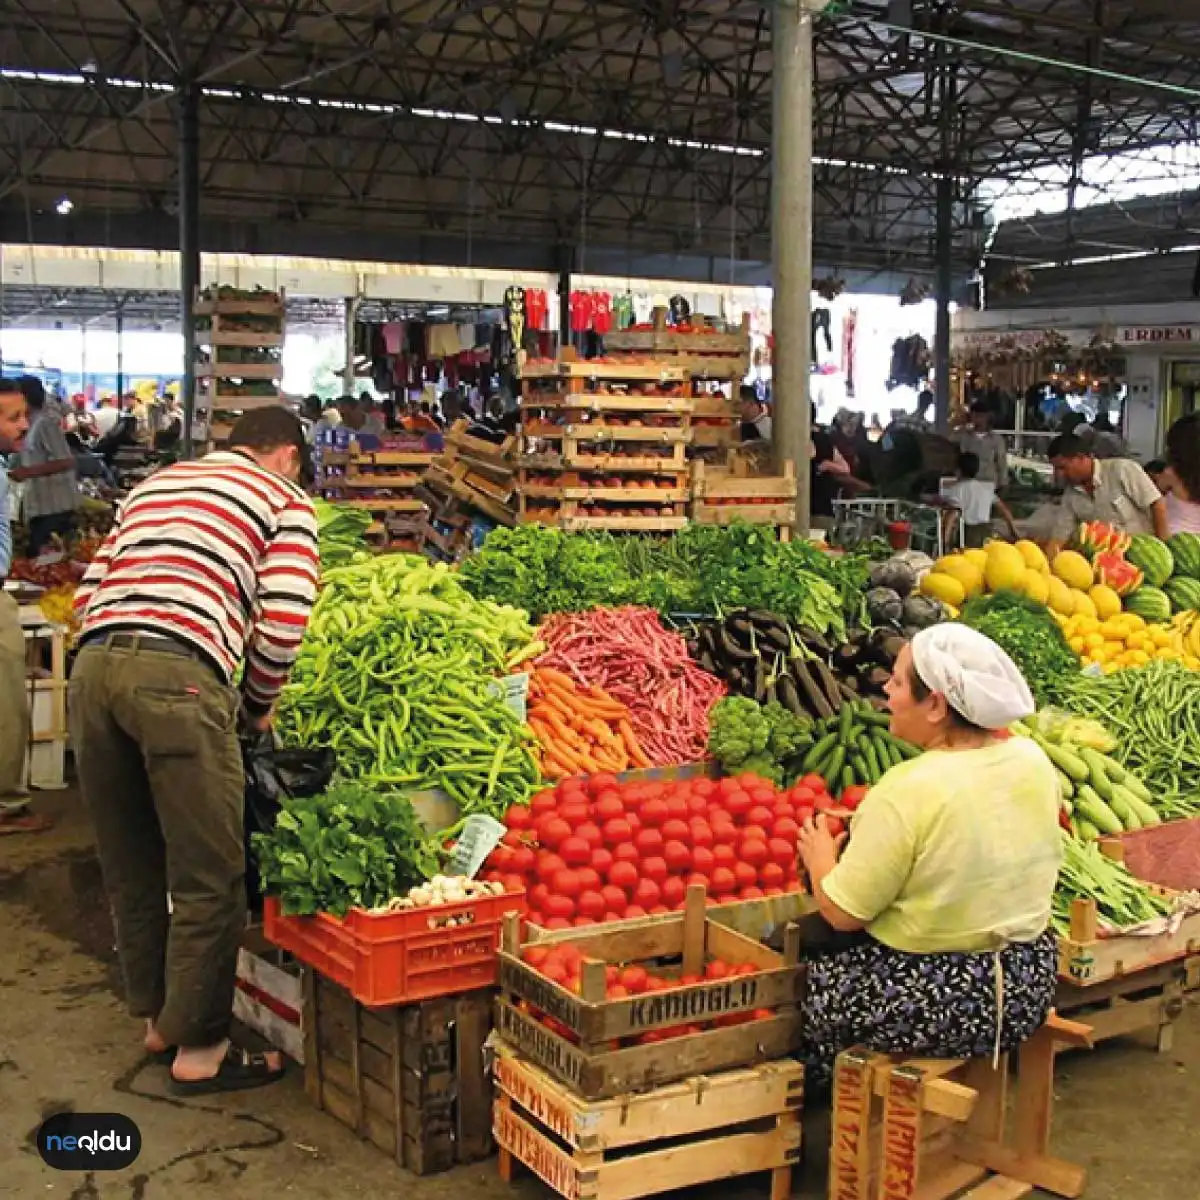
[737, 729]
[788, 732]
[764, 766]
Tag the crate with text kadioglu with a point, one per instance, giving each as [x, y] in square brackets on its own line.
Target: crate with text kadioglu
[657, 1000]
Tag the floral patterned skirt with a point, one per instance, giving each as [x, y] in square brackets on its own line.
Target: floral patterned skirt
[928, 1005]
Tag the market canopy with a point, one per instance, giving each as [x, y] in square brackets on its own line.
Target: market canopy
[601, 134]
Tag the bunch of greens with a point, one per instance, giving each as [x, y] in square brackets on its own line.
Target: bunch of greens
[761, 739]
[341, 531]
[350, 847]
[1029, 634]
[1121, 899]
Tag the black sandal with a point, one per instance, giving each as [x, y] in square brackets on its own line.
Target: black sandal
[239, 1071]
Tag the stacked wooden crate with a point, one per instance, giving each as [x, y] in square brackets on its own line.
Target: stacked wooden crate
[724, 495]
[611, 1096]
[384, 483]
[715, 362]
[238, 354]
[605, 445]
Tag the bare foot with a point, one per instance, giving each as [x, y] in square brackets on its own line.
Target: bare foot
[196, 1063]
[153, 1040]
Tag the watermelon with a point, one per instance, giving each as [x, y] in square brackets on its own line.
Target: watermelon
[1149, 603]
[1112, 570]
[1152, 558]
[1095, 537]
[1184, 593]
[1185, 549]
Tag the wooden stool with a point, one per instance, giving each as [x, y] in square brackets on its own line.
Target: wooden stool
[933, 1129]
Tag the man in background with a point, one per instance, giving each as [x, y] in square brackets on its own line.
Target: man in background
[756, 419]
[47, 469]
[988, 446]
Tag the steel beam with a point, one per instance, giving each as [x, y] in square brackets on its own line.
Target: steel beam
[189, 249]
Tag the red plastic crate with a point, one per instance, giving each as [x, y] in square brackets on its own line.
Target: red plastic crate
[395, 958]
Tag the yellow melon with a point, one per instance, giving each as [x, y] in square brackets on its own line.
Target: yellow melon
[959, 567]
[977, 556]
[1036, 586]
[944, 587]
[1082, 605]
[1031, 552]
[1105, 601]
[1005, 567]
[1073, 569]
[1060, 598]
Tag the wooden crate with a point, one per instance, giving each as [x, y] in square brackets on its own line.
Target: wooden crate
[1148, 1001]
[706, 1129]
[712, 483]
[585, 1059]
[933, 1129]
[1085, 957]
[411, 1080]
[268, 995]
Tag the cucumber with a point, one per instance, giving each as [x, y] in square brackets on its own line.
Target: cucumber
[1145, 813]
[1128, 780]
[906, 749]
[1087, 831]
[869, 716]
[1066, 784]
[1098, 776]
[859, 764]
[833, 767]
[1089, 806]
[819, 751]
[846, 723]
[872, 760]
[1125, 814]
[847, 778]
[1067, 762]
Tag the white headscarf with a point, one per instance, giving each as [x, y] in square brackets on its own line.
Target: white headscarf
[980, 682]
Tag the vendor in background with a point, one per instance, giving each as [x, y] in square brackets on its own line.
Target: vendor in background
[47, 469]
[756, 419]
[988, 446]
[192, 613]
[829, 475]
[14, 711]
[1180, 476]
[1116, 491]
[975, 501]
[948, 876]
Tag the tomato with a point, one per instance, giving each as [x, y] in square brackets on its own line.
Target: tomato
[589, 878]
[616, 991]
[634, 910]
[590, 904]
[548, 865]
[725, 833]
[853, 796]
[608, 807]
[648, 841]
[716, 970]
[617, 830]
[738, 804]
[615, 916]
[633, 979]
[602, 859]
[579, 923]
[745, 874]
[747, 780]
[553, 832]
[823, 802]
[655, 868]
[623, 875]
[753, 833]
[677, 807]
[524, 860]
[635, 822]
[612, 975]
[673, 890]
[560, 906]
[743, 969]
[647, 893]
[514, 839]
[575, 813]
[535, 956]
[773, 891]
[754, 851]
[782, 807]
[575, 851]
[538, 895]
[602, 782]
[689, 980]
[676, 830]
[781, 851]
[677, 857]
[697, 804]
[566, 882]
[558, 923]
[625, 852]
[771, 874]
[835, 825]
[702, 860]
[723, 881]
[762, 1014]
[653, 812]
[728, 785]
[751, 893]
[614, 897]
[514, 883]
[698, 879]
[542, 802]
[572, 956]
[704, 787]
[500, 859]
[701, 834]
[760, 815]
[555, 971]
[519, 816]
[590, 832]
[786, 829]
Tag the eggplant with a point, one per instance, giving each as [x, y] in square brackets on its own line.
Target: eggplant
[876, 678]
[814, 698]
[890, 645]
[731, 651]
[707, 663]
[760, 682]
[848, 689]
[846, 658]
[736, 680]
[828, 681]
[775, 639]
[813, 640]
[788, 695]
[772, 690]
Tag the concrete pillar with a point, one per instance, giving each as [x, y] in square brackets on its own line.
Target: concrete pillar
[189, 247]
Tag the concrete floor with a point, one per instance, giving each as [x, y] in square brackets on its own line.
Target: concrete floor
[65, 1043]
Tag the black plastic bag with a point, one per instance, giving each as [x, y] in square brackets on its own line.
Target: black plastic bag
[272, 774]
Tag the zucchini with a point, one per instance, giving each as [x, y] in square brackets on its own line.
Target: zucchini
[1144, 812]
[1067, 762]
[1125, 814]
[1098, 777]
[1066, 785]
[1087, 831]
[1090, 807]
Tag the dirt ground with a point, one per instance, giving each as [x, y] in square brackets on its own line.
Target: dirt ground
[1125, 1112]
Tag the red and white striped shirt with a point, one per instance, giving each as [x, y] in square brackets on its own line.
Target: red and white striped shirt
[219, 553]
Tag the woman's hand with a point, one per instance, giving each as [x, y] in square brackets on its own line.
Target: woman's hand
[819, 849]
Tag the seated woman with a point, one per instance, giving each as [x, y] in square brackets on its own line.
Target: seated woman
[949, 872]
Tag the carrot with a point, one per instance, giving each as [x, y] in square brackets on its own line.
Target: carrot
[601, 733]
[636, 753]
[547, 676]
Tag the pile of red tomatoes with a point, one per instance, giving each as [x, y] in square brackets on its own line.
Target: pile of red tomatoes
[596, 849]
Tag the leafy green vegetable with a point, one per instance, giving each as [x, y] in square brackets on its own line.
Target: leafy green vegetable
[1030, 636]
[341, 531]
[1121, 899]
[349, 847]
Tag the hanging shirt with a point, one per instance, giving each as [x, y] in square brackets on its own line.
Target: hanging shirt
[601, 312]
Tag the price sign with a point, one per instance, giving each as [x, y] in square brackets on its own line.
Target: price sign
[480, 836]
